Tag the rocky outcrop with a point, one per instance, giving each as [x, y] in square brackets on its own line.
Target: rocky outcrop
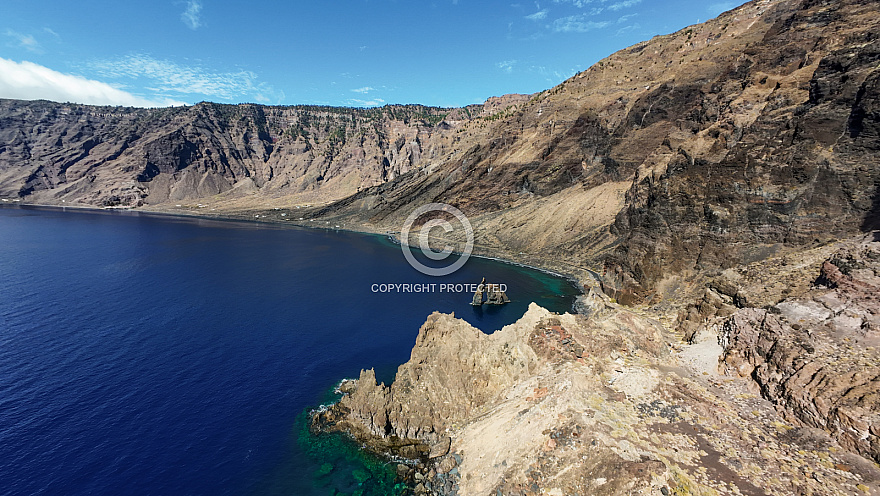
[478, 294]
[494, 294]
[477, 300]
[817, 358]
[472, 367]
[582, 404]
[697, 315]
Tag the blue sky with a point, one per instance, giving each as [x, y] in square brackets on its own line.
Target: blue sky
[332, 52]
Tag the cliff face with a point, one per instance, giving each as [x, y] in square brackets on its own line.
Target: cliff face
[766, 384]
[723, 143]
[475, 369]
[237, 156]
[784, 150]
[720, 144]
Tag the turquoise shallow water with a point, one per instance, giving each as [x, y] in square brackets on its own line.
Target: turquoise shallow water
[144, 354]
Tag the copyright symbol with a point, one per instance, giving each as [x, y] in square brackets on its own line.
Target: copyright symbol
[425, 233]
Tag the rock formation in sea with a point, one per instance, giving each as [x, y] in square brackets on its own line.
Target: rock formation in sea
[493, 294]
[478, 294]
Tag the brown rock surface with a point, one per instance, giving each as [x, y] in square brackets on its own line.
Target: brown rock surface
[234, 157]
[708, 172]
[570, 404]
[473, 368]
[722, 144]
[495, 296]
[817, 357]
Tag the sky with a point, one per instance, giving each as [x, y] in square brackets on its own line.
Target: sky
[356, 53]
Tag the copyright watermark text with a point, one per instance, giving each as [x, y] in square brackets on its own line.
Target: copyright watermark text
[435, 288]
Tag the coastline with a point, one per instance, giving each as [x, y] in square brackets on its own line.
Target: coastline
[404, 470]
[611, 391]
[582, 278]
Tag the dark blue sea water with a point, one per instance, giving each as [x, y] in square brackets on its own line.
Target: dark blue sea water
[156, 355]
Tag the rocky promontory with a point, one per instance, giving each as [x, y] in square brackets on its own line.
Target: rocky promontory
[611, 401]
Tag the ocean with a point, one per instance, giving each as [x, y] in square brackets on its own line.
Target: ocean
[156, 355]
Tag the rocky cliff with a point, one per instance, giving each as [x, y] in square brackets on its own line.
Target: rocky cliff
[605, 402]
[765, 384]
[720, 179]
[721, 144]
[817, 356]
[236, 156]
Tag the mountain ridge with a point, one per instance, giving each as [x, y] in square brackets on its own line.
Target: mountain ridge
[720, 144]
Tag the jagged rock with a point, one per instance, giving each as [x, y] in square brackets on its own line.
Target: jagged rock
[696, 316]
[412, 408]
[346, 386]
[478, 294]
[817, 357]
[496, 296]
[520, 412]
[446, 465]
[478, 298]
[441, 448]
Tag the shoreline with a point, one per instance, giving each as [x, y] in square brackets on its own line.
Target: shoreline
[410, 471]
[575, 280]
[568, 277]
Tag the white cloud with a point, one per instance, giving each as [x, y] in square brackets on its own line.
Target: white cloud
[598, 10]
[537, 16]
[375, 102]
[192, 15]
[623, 5]
[577, 24]
[626, 29]
[552, 76]
[29, 81]
[507, 65]
[168, 77]
[26, 41]
[365, 89]
[576, 3]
